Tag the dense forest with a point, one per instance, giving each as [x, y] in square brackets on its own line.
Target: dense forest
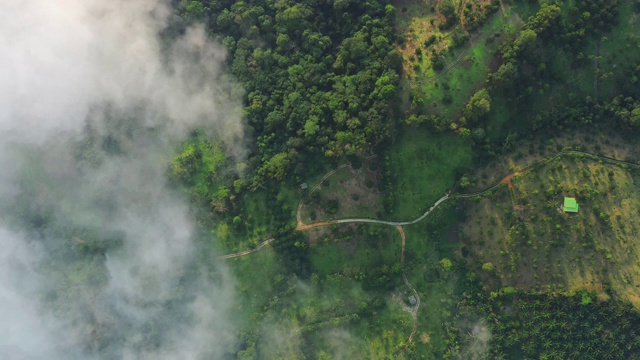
[319, 81]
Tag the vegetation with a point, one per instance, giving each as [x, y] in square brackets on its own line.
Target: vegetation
[557, 326]
[318, 80]
[416, 100]
[352, 192]
[531, 244]
[422, 168]
[326, 82]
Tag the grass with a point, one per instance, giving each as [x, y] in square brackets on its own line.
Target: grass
[446, 92]
[532, 245]
[463, 79]
[426, 244]
[368, 246]
[258, 222]
[566, 85]
[345, 267]
[253, 287]
[620, 48]
[343, 308]
[425, 167]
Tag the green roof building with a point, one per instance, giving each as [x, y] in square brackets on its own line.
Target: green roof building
[570, 205]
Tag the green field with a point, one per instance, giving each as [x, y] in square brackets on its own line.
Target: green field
[343, 308]
[354, 251]
[439, 289]
[424, 167]
[620, 48]
[470, 71]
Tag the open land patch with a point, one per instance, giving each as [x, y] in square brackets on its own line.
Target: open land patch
[350, 192]
[445, 65]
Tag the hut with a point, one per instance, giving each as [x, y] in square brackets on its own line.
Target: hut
[570, 205]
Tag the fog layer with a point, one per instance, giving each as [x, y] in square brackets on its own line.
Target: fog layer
[99, 259]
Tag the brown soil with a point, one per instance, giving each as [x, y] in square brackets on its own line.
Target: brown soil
[507, 179]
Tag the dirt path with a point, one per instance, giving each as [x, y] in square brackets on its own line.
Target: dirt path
[507, 179]
[247, 252]
[413, 311]
[302, 226]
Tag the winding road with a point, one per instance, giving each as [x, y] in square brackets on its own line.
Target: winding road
[301, 226]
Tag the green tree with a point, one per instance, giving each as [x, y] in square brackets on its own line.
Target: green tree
[479, 105]
[277, 166]
[446, 264]
[505, 75]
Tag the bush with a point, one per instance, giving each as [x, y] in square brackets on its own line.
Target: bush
[332, 206]
[446, 264]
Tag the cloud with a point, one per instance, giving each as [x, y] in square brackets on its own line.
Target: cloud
[477, 340]
[99, 258]
[62, 58]
[25, 333]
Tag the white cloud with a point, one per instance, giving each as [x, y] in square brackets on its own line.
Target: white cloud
[72, 65]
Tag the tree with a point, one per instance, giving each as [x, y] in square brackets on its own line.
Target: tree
[478, 106]
[448, 10]
[193, 10]
[277, 166]
[446, 264]
[544, 18]
[311, 127]
[505, 75]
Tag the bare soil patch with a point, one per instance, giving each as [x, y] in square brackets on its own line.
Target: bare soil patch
[348, 193]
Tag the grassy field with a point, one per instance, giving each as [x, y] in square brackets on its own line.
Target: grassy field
[425, 167]
[532, 245]
[445, 91]
[600, 140]
[367, 259]
[466, 76]
[344, 308]
[354, 249]
[567, 85]
[427, 243]
[619, 48]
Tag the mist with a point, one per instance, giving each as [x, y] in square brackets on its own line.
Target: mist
[100, 258]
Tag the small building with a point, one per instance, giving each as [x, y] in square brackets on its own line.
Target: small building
[570, 205]
[304, 186]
